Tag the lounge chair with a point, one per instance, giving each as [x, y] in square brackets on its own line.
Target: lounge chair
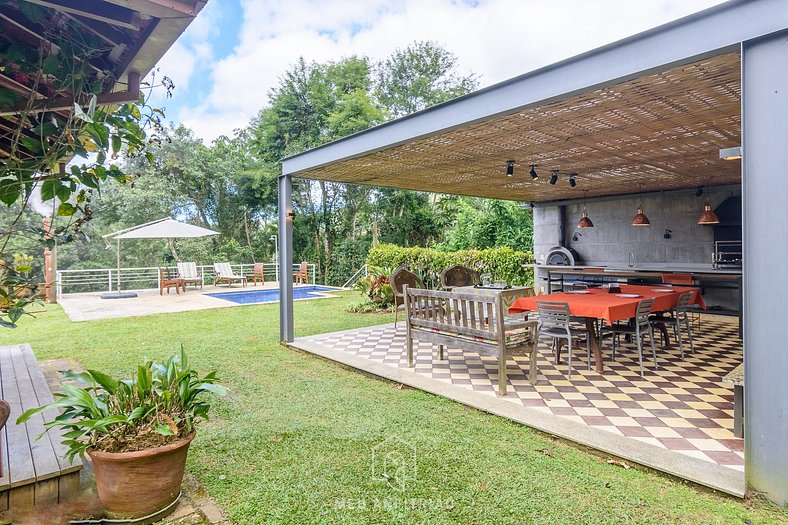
[224, 274]
[167, 281]
[302, 276]
[188, 272]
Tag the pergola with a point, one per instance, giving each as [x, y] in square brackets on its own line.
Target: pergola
[129, 37]
[647, 113]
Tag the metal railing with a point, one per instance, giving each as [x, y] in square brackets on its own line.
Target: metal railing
[360, 274]
[106, 279]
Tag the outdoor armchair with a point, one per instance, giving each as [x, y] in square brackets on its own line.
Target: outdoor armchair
[401, 277]
[167, 281]
[258, 273]
[302, 276]
[458, 275]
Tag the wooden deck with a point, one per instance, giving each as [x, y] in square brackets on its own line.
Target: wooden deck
[35, 472]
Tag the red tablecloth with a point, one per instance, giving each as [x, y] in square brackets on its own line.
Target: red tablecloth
[600, 304]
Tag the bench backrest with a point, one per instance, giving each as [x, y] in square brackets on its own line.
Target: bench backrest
[470, 314]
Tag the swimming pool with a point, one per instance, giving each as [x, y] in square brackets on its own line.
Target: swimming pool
[271, 295]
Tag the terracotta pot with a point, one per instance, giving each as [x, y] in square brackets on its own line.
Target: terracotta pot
[135, 484]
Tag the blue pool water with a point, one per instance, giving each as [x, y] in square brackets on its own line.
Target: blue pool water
[272, 295]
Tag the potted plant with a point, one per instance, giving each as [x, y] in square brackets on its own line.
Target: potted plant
[137, 432]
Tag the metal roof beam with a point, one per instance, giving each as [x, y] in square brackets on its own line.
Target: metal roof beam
[711, 32]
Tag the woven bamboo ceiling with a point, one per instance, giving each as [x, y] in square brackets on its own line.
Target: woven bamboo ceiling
[662, 131]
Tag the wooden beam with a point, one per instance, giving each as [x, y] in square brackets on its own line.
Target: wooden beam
[108, 33]
[163, 8]
[94, 9]
[132, 94]
[16, 87]
[33, 34]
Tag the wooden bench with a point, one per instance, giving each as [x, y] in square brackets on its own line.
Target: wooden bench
[35, 472]
[736, 378]
[470, 321]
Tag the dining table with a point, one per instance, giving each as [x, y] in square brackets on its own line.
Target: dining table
[610, 305]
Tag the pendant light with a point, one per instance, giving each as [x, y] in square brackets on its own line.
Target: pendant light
[584, 221]
[533, 174]
[640, 218]
[509, 168]
[708, 216]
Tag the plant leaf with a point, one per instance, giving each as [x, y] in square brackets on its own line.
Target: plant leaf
[164, 430]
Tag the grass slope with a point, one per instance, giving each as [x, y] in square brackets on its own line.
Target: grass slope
[293, 442]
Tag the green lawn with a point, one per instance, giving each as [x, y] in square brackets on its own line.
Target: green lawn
[293, 441]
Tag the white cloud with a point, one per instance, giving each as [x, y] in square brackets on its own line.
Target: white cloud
[497, 39]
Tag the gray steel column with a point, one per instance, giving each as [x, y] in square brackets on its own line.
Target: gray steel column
[286, 258]
[765, 195]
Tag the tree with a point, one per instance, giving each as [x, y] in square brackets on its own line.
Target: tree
[314, 104]
[485, 223]
[419, 76]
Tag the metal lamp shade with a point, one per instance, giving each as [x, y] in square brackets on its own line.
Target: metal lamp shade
[708, 216]
[640, 219]
[584, 221]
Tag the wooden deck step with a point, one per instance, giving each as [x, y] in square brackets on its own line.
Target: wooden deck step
[35, 471]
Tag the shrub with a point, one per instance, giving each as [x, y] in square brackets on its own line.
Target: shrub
[502, 263]
[376, 287]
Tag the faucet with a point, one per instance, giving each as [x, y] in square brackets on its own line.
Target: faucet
[631, 259]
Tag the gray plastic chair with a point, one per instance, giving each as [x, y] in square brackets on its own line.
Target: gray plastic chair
[639, 327]
[554, 322]
[681, 315]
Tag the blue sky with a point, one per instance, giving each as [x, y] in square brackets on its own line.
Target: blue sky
[230, 57]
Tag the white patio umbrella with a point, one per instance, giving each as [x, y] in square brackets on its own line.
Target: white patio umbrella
[161, 229]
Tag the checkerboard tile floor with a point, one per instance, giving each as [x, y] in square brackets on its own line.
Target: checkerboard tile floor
[683, 406]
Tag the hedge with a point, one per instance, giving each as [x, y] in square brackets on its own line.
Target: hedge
[502, 263]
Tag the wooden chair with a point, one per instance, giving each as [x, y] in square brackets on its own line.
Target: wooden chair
[399, 279]
[188, 272]
[258, 273]
[303, 273]
[679, 279]
[458, 275]
[166, 281]
[225, 274]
